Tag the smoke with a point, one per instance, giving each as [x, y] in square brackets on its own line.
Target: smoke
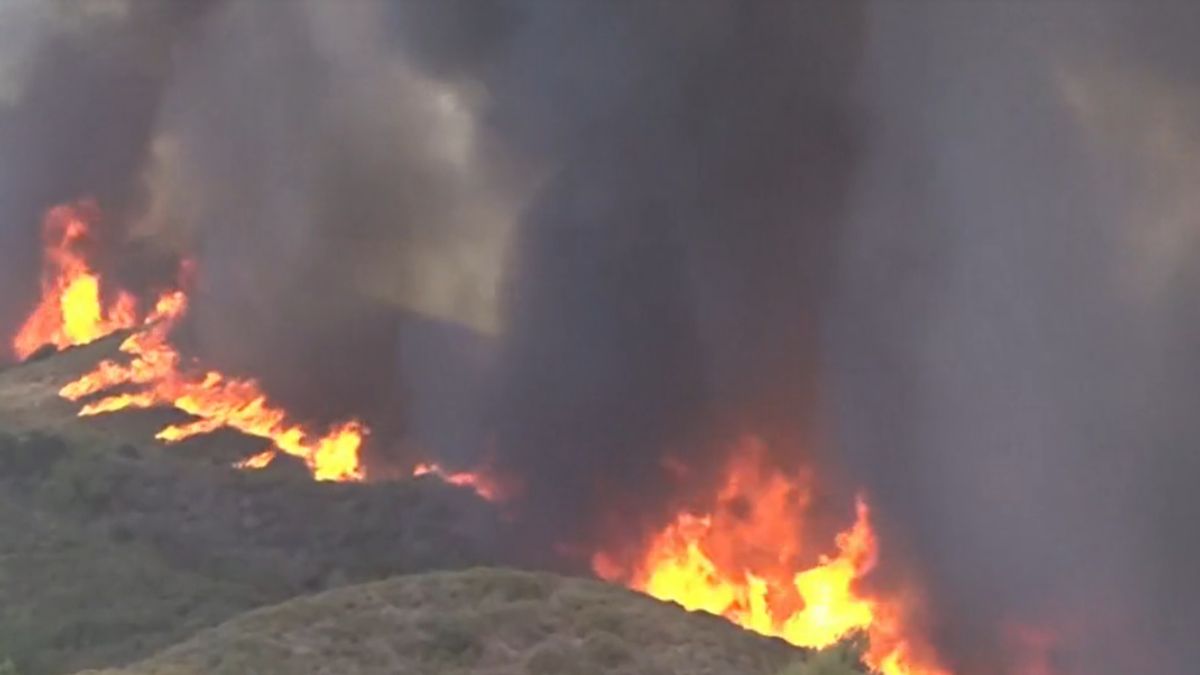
[340, 201]
[667, 280]
[631, 210]
[940, 248]
[80, 85]
[1013, 327]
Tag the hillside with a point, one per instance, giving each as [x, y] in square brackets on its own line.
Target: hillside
[108, 553]
[480, 622]
[113, 548]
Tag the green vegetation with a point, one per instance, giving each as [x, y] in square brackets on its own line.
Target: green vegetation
[110, 554]
[498, 622]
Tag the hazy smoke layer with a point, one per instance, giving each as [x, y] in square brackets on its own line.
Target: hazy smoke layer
[1013, 368]
[940, 247]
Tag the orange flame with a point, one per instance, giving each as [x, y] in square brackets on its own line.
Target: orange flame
[216, 400]
[71, 310]
[741, 561]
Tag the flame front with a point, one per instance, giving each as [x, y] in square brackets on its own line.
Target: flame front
[214, 399]
[740, 561]
[71, 310]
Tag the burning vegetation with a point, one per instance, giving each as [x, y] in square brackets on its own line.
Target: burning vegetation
[72, 310]
[742, 558]
[932, 259]
[154, 374]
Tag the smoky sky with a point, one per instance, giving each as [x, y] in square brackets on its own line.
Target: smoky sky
[574, 181]
[643, 321]
[82, 86]
[940, 249]
[1012, 346]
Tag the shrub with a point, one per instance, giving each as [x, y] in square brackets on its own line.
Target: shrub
[844, 658]
[451, 639]
[607, 650]
[557, 658]
[29, 456]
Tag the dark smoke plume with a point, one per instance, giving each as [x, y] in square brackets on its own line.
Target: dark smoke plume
[667, 278]
[635, 208]
[939, 248]
[80, 88]
[1013, 367]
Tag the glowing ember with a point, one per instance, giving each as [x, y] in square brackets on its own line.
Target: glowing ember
[480, 482]
[71, 310]
[741, 561]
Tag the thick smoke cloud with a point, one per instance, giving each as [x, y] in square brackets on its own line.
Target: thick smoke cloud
[1014, 330]
[667, 278]
[339, 201]
[80, 86]
[635, 208]
[940, 248]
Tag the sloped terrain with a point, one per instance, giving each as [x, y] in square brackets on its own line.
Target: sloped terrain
[29, 391]
[114, 547]
[109, 553]
[478, 622]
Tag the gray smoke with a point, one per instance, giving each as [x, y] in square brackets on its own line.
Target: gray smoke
[80, 86]
[1014, 329]
[938, 248]
[574, 182]
[667, 277]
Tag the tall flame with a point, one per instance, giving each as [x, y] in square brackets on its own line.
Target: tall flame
[71, 310]
[153, 373]
[741, 561]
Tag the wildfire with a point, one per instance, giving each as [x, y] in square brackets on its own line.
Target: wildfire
[71, 310]
[214, 399]
[740, 561]
[153, 373]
